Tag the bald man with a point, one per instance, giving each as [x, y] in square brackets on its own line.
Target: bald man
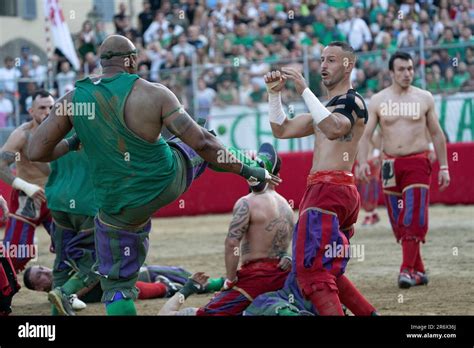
[134, 171]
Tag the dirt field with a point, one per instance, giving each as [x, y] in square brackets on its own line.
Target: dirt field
[196, 243]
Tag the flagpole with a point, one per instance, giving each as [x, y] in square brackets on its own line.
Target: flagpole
[49, 48]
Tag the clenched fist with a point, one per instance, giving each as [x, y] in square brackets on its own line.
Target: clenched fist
[275, 81]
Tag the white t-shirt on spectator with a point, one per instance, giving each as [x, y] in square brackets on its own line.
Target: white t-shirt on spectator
[356, 31]
[259, 69]
[205, 99]
[8, 79]
[39, 74]
[6, 109]
[151, 34]
[64, 79]
[187, 49]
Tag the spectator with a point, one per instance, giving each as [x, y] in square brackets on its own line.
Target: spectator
[145, 18]
[25, 57]
[100, 33]
[205, 97]
[86, 39]
[159, 22]
[183, 47]
[8, 76]
[227, 93]
[6, 109]
[356, 30]
[120, 19]
[468, 85]
[195, 39]
[91, 64]
[38, 72]
[64, 77]
[448, 84]
[245, 89]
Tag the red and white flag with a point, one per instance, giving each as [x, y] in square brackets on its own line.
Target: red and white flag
[60, 32]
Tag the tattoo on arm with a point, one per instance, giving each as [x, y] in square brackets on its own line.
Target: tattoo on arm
[240, 220]
[6, 157]
[180, 124]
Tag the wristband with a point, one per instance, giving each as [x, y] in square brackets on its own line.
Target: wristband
[73, 142]
[376, 153]
[317, 110]
[26, 187]
[444, 167]
[431, 146]
[275, 111]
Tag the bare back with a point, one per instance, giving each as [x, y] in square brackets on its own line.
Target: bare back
[402, 119]
[270, 226]
[337, 154]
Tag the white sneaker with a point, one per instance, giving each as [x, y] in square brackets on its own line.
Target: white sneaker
[76, 304]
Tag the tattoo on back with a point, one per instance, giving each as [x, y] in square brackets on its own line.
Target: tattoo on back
[283, 228]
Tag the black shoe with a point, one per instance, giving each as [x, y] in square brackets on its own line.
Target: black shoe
[405, 280]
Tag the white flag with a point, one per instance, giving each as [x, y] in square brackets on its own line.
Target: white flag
[60, 31]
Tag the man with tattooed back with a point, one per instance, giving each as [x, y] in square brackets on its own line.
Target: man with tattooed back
[259, 236]
[118, 118]
[27, 200]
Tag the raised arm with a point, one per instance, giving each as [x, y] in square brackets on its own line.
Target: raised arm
[48, 143]
[333, 124]
[178, 122]
[439, 143]
[237, 229]
[282, 126]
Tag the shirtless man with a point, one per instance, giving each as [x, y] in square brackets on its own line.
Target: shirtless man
[259, 236]
[404, 113]
[118, 117]
[330, 205]
[27, 201]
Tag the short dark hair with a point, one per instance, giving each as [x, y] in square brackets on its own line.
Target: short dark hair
[343, 45]
[42, 93]
[27, 280]
[398, 55]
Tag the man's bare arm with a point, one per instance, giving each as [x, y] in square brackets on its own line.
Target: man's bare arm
[298, 127]
[10, 153]
[439, 143]
[178, 122]
[238, 227]
[48, 144]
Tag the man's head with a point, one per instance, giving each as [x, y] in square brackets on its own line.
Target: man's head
[401, 69]
[119, 52]
[8, 62]
[38, 278]
[267, 158]
[337, 61]
[41, 104]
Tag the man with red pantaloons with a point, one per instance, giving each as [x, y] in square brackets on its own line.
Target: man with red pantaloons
[27, 200]
[405, 114]
[8, 282]
[330, 205]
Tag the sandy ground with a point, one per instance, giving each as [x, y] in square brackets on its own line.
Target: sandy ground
[196, 243]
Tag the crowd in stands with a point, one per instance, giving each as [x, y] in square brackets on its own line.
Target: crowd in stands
[232, 43]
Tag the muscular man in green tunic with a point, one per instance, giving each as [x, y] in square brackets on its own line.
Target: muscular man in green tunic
[118, 118]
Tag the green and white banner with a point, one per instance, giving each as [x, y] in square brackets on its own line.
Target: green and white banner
[247, 127]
